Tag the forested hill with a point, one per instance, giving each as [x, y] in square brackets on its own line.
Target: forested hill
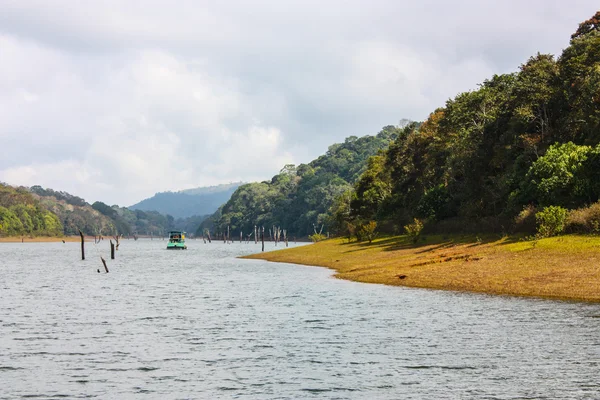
[37, 211]
[98, 218]
[524, 146]
[189, 202]
[22, 213]
[299, 197]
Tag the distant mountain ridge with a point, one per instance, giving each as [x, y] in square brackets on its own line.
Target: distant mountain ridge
[188, 202]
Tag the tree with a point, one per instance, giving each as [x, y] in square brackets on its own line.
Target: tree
[535, 92]
[9, 223]
[23, 212]
[559, 177]
[579, 67]
[590, 25]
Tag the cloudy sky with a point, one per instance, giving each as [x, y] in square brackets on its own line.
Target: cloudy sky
[116, 100]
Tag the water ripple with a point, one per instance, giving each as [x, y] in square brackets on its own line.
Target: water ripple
[203, 324]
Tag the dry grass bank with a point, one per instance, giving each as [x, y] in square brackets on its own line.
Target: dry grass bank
[566, 267]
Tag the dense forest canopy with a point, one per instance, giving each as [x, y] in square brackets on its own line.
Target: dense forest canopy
[526, 139]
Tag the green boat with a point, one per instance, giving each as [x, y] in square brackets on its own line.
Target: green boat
[176, 241]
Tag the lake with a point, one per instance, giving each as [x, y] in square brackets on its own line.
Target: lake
[204, 324]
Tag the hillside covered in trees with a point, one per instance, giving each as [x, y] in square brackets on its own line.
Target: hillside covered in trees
[298, 198]
[488, 160]
[37, 211]
[493, 157]
[21, 213]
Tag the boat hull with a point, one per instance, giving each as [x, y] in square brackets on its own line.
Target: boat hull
[170, 246]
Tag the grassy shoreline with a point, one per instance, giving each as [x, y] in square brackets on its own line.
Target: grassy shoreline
[565, 267]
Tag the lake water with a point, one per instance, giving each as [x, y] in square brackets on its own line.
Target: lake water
[203, 324]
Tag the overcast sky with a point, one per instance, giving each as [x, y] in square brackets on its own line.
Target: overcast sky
[116, 100]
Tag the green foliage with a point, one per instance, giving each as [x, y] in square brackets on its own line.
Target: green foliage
[75, 217]
[66, 197]
[317, 193]
[368, 231]
[414, 229]
[372, 189]
[9, 223]
[317, 237]
[551, 221]
[529, 137]
[339, 213]
[562, 176]
[52, 225]
[434, 203]
[22, 214]
[579, 67]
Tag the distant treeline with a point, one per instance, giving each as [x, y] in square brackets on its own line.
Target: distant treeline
[37, 211]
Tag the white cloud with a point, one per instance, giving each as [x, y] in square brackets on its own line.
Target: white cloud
[116, 100]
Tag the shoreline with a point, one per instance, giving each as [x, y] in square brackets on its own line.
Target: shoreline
[39, 239]
[561, 268]
[47, 239]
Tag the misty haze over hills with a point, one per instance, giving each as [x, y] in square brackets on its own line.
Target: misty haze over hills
[188, 202]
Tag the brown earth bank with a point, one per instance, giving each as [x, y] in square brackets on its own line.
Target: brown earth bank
[565, 267]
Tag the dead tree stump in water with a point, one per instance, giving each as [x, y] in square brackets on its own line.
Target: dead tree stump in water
[82, 247]
[104, 262]
[112, 250]
[262, 238]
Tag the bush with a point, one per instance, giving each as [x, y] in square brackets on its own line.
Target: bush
[367, 231]
[525, 221]
[561, 176]
[551, 221]
[317, 237]
[414, 229]
[584, 220]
